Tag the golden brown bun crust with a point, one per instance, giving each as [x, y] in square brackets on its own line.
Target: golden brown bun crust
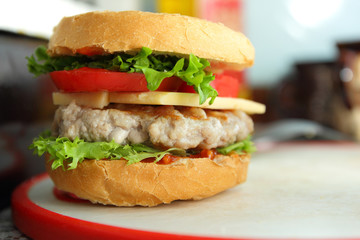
[149, 184]
[173, 34]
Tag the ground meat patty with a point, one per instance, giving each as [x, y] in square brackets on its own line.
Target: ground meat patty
[165, 126]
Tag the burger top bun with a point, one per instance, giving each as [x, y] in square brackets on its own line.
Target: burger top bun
[109, 32]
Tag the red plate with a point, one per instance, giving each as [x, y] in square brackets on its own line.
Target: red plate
[302, 191]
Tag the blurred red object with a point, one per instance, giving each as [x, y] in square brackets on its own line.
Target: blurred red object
[230, 13]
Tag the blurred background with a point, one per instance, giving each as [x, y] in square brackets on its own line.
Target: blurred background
[307, 68]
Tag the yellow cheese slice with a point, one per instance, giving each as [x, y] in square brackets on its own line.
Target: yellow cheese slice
[101, 99]
[93, 99]
[186, 99]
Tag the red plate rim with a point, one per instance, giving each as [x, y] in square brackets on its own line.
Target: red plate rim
[40, 223]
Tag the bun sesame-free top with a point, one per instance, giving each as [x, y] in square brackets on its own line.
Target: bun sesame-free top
[172, 34]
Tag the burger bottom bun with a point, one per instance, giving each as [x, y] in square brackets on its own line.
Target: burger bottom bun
[149, 184]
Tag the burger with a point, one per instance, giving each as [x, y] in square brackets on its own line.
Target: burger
[147, 113]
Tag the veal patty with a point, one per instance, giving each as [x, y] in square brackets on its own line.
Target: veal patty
[164, 126]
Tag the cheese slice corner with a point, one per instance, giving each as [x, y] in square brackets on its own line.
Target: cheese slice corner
[93, 99]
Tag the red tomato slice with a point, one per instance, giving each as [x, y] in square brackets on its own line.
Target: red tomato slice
[225, 85]
[94, 79]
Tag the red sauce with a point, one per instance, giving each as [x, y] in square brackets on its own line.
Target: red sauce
[67, 197]
[205, 153]
[168, 158]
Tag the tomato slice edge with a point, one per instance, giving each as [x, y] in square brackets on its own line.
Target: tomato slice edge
[87, 79]
[95, 79]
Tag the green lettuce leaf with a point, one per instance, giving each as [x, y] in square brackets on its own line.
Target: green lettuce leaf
[245, 146]
[155, 67]
[68, 154]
